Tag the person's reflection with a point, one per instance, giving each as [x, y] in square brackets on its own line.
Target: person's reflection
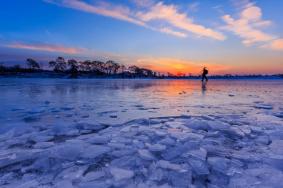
[203, 88]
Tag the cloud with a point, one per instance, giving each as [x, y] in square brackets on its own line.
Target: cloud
[170, 14]
[172, 32]
[249, 27]
[114, 11]
[45, 47]
[151, 11]
[276, 44]
[105, 9]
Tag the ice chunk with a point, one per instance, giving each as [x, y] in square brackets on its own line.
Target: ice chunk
[275, 160]
[258, 177]
[218, 125]
[28, 184]
[176, 151]
[219, 164]
[277, 147]
[167, 165]
[64, 183]
[93, 184]
[145, 154]
[138, 144]
[126, 129]
[198, 124]
[97, 139]
[94, 127]
[198, 154]
[276, 135]
[94, 175]
[160, 133]
[181, 179]
[95, 151]
[218, 178]
[123, 152]
[43, 145]
[116, 145]
[125, 161]
[263, 106]
[246, 129]
[156, 147]
[121, 174]
[199, 167]
[235, 132]
[167, 141]
[157, 174]
[40, 138]
[15, 158]
[66, 151]
[183, 136]
[165, 185]
[263, 140]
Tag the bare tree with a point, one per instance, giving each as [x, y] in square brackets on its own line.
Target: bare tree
[59, 64]
[73, 64]
[135, 70]
[122, 69]
[98, 66]
[32, 64]
[52, 64]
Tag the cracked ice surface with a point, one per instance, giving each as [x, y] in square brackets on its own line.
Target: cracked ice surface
[140, 133]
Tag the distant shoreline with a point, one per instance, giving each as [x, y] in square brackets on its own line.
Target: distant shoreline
[110, 69]
[66, 75]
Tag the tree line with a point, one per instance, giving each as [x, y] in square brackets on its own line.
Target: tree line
[75, 68]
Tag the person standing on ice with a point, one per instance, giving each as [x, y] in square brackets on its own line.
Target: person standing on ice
[204, 73]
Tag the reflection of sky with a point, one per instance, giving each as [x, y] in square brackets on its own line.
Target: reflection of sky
[51, 101]
[36, 25]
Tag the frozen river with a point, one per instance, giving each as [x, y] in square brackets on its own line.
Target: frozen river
[141, 133]
[52, 101]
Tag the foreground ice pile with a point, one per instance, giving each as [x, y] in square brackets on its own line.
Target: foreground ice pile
[195, 151]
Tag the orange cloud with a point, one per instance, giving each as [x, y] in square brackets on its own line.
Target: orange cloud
[179, 66]
[46, 47]
[276, 44]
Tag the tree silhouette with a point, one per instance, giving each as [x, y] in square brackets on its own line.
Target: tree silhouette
[73, 64]
[52, 64]
[59, 65]
[32, 64]
[111, 67]
[96, 67]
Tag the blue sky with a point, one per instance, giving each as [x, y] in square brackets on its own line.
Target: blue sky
[179, 36]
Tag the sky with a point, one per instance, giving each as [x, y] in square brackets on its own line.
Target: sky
[176, 36]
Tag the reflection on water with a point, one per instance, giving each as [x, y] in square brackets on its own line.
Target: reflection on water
[115, 101]
[203, 87]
